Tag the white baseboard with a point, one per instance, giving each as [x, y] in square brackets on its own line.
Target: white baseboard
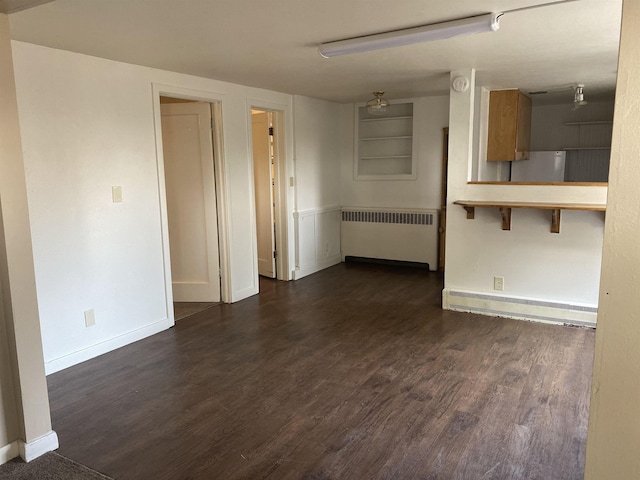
[520, 308]
[308, 270]
[9, 452]
[32, 450]
[66, 361]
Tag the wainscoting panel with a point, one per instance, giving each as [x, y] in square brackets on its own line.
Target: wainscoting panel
[391, 234]
[317, 240]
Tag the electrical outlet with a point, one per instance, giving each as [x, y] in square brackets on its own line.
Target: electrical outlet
[90, 318]
[498, 283]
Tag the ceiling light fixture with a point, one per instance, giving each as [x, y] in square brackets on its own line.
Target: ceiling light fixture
[578, 97]
[378, 105]
[409, 36]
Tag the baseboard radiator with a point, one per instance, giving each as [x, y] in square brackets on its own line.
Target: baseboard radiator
[403, 235]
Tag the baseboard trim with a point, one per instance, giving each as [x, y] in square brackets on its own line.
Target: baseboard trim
[66, 361]
[9, 452]
[520, 308]
[41, 445]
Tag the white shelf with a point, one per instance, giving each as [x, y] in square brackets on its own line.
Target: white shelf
[381, 119]
[385, 144]
[385, 157]
[387, 138]
[377, 177]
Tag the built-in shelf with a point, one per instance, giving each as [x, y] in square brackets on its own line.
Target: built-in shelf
[385, 157]
[506, 207]
[387, 138]
[385, 144]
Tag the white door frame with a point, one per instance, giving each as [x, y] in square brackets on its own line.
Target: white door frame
[281, 184]
[216, 100]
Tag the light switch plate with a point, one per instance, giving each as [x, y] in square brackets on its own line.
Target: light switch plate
[116, 194]
[90, 318]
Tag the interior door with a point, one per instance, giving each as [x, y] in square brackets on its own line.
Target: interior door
[263, 179]
[191, 201]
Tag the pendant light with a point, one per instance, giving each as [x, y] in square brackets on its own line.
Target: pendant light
[378, 105]
[578, 97]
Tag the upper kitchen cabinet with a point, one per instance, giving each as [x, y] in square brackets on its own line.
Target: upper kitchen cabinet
[509, 126]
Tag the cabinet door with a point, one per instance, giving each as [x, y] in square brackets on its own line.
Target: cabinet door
[509, 126]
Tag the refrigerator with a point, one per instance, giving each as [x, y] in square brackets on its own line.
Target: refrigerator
[547, 166]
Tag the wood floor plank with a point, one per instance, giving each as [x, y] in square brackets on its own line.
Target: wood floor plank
[352, 373]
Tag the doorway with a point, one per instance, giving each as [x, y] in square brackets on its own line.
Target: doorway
[188, 152]
[267, 152]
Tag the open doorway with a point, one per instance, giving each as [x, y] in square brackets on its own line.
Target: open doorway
[267, 147]
[262, 134]
[188, 152]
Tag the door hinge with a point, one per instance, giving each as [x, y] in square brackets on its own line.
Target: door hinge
[271, 131]
[275, 254]
[220, 272]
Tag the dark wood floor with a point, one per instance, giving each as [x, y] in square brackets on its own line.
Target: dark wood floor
[186, 309]
[352, 373]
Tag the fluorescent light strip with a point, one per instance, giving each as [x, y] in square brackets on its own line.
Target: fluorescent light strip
[409, 36]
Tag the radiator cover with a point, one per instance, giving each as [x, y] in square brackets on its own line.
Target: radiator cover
[404, 235]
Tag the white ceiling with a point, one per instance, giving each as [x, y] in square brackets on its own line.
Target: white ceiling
[273, 44]
[11, 6]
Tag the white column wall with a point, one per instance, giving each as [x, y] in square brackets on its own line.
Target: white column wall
[614, 420]
[25, 421]
[318, 140]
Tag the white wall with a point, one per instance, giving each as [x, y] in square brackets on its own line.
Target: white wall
[9, 431]
[413, 243]
[25, 421]
[317, 152]
[481, 170]
[614, 417]
[431, 115]
[318, 139]
[547, 276]
[88, 124]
